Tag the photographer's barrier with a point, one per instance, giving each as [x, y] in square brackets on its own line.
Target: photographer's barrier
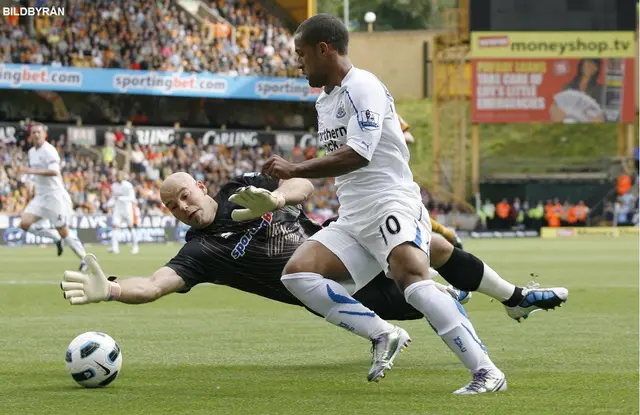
[603, 231]
[97, 229]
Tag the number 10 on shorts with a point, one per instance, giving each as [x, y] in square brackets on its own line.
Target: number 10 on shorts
[393, 227]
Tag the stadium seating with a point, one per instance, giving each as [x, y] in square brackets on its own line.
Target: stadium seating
[89, 182]
[140, 35]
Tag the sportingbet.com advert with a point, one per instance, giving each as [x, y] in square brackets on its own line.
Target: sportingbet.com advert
[121, 81]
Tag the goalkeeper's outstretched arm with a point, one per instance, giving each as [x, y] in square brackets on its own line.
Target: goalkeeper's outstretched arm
[140, 290]
[81, 288]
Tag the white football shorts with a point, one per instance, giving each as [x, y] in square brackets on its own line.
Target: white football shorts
[55, 207]
[363, 244]
[124, 216]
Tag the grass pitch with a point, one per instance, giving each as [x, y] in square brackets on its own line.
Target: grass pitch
[220, 351]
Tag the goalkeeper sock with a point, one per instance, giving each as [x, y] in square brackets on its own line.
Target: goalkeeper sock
[75, 245]
[44, 232]
[468, 273]
[449, 320]
[115, 234]
[331, 300]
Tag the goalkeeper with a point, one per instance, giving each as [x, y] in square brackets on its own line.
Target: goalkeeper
[243, 236]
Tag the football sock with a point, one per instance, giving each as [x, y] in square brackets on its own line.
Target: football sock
[494, 286]
[449, 320]
[468, 273]
[331, 300]
[44, 232]
[115, 234]
[134, 237]
[75, 245]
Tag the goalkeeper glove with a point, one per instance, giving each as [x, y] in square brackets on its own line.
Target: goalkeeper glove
[81, 288]
[256, 201]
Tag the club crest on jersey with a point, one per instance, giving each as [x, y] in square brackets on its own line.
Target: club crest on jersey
[240, 248]
[369, 120]
[341, 111]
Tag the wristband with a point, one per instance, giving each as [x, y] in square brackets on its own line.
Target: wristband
[281, 201]
[114, 291]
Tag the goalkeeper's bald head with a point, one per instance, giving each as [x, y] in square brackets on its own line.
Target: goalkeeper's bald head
[187, 200]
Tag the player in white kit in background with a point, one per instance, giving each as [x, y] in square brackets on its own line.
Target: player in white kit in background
[124, 204]
[382, 223]
[52, 201]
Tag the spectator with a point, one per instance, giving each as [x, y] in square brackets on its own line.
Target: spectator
[503, 211]
[488, 213]
[154, 35]
[582, 211]
[622, 212]
[564, 215]
[624, 184]
[609, 212]
[536, 216]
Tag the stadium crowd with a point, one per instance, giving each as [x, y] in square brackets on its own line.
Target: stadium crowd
[153, 35]
[623, 210]
[88, 176]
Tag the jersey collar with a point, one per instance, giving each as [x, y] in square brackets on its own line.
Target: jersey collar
[338, 88]
[348, 75]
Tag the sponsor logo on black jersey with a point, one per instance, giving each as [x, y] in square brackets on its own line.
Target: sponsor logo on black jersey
[241, 246]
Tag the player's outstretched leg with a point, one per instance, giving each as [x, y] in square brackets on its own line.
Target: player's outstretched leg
[468, 273]
[303, 278]
[33, 224]
[75, 244]
[409, 267]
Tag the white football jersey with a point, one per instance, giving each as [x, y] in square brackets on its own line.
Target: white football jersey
[46, 158]
[360, 113]
[123, 194]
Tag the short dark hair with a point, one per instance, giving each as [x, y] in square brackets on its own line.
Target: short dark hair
[325, 28]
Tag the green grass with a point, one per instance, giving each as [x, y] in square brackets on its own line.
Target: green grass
[219, 351]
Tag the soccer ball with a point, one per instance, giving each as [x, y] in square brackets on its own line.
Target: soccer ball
[93, 359]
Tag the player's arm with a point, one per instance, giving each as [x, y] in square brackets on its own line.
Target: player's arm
[264, 195]
[366, 114]
[342, 161]
[142, 290]
[52, 169]
[294, 191]
[81, 288]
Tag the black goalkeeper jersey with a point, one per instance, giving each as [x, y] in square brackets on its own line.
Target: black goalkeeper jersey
[249, 255]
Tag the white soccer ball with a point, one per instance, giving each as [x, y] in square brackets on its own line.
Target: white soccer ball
[94, 359]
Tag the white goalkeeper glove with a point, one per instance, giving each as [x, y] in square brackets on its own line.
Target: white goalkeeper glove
[256, 201]
[81, 288]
